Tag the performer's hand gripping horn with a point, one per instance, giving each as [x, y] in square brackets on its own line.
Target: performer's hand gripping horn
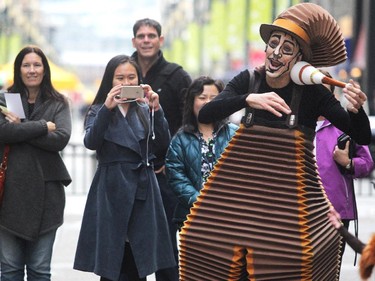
[304, 73]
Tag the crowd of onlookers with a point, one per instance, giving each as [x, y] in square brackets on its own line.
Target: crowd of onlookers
[155, 153]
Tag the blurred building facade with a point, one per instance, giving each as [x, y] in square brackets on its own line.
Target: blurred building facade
[210, 37]
[21, 23]
[221, 37]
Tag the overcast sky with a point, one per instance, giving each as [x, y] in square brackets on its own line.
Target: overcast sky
[92, 31]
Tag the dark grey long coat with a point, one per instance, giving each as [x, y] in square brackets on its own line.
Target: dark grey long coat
[124, 200]
[34, 197]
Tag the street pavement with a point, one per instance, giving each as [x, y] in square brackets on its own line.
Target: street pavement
[66, 242]
[67, 235]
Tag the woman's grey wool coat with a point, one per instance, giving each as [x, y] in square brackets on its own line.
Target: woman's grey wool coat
[34, 197]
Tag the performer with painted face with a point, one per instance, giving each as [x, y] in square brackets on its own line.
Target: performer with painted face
[262, 215]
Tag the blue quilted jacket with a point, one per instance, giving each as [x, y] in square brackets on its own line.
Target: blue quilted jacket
[183, 165]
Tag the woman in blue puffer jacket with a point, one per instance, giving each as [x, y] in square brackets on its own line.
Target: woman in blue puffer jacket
[196, 147]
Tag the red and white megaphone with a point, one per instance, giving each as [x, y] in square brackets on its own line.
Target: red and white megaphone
[304, 73]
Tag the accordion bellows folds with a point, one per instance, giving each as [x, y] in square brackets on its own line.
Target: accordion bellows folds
[262, 214]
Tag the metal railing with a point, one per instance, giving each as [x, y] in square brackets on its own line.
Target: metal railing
[365, 186]
[81, 164]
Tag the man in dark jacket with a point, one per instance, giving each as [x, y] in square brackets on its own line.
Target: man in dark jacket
[168, 80]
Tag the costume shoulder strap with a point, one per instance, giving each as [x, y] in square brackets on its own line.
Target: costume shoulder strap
[292, 118]
[254, 84]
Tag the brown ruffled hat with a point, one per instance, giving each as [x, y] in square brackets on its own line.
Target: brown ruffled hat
[317, 32]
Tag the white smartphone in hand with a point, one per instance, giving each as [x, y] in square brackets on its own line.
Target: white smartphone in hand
[131, 92]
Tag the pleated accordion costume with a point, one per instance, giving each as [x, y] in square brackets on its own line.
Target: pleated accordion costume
[262, 214]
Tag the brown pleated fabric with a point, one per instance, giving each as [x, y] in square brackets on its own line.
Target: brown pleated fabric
[262, 215]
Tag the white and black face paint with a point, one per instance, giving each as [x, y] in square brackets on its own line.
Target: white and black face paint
[282, 52]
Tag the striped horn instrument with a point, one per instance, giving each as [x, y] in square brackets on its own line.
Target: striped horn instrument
[262, 214]
[304, 73]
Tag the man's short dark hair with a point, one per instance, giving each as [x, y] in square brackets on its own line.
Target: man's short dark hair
[149, 22]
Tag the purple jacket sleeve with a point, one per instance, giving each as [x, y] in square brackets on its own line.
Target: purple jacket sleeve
[363, 163]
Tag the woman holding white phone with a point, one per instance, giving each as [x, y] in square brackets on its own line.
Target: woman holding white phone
[124, 225]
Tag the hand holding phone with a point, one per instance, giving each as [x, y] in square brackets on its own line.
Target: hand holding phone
[342, 140]
[152, 97]
[341, 144]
